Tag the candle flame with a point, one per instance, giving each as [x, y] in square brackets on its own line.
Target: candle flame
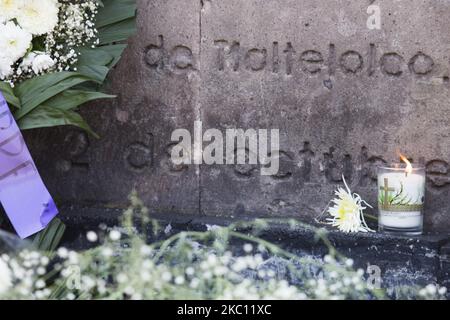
[408, 168]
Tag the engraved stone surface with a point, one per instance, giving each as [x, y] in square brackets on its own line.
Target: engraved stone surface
[344, 97]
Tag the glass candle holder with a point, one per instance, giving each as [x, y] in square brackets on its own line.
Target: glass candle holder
[401, 197]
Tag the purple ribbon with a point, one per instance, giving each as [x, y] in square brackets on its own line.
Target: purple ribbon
[23, 195]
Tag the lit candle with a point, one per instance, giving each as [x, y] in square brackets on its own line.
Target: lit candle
[401, 195]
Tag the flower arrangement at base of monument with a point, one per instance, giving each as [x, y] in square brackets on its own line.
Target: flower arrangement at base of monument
[54, 56]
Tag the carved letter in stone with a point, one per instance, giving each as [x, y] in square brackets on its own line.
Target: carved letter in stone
[421, 64]
[391, 64]
[154, 54]
[307, 156]
[181, 58]
[290, 52]
[311, 61]
[351, 62]
[256, 59]
[139, 155]
[334, 172]
[224, 51]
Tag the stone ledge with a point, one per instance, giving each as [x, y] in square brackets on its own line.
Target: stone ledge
[417, 260]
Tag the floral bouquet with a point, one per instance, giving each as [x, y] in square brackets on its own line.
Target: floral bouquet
[55, 56]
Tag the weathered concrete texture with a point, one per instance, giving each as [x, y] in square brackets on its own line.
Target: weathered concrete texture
[344, 97]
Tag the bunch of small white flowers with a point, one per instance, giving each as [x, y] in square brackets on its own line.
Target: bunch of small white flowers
[75, 29]
[23, 276]
[41, 36]
[5, 275]
[338, 280]
[126, 267]
[433, 292]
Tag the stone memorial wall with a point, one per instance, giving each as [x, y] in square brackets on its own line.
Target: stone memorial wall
[344, 94]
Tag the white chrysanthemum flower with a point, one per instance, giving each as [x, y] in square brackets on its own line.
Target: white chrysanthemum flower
[37, 61]
[41, 63]
[9, 9]
[5, 68]
[14, 41]
[347, 212]
[39, 16]
[27, 61]
[5, 277]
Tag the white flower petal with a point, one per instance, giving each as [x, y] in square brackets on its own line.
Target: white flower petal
[39, 16]
[14, 42]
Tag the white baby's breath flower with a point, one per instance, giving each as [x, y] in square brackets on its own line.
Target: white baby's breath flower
[347, 212]
[194, 283]
[145, 250]
[431, 289]
[27, 61]
[146, 276]
[179, 280]
[44, 260]
[248, 247]
[39, 16]
[349, 262]
[91, 236]
[41, 271]
[70, 296]
[107, 252]
[190, 271]
[115, 235]
[63, 253]
[9, 9]
[40, 284]
[5, 277]
[129, 290]
[122, 278]
[14, 42]
[166, 276]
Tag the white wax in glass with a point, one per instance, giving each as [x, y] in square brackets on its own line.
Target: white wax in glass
[413, 188]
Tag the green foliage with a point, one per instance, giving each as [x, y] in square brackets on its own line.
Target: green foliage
[49, 238]
[52, 99]
[9, 95]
